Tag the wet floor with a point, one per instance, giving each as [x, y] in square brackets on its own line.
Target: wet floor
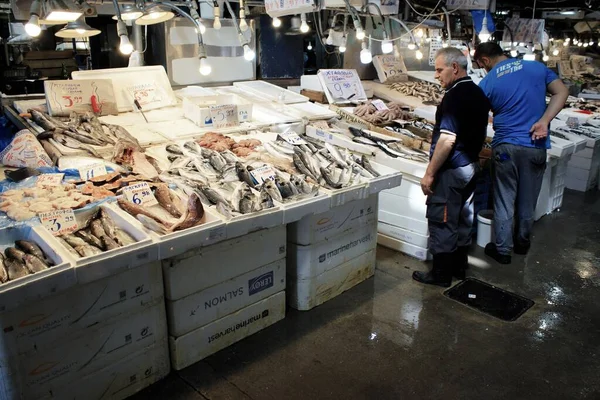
[391, 338]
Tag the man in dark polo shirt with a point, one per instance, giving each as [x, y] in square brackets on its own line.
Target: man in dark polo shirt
[449, 182]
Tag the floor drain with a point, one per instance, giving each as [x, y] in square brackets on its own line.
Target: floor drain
[489, 299]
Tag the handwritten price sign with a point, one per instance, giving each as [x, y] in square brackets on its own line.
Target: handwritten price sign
[59, 222]
[92, 171]
[262, 174]
[50, 180]
[224, 116]
[145, 94]
[140, 194]
[292, 138]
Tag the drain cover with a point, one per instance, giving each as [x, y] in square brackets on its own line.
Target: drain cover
[489, 299]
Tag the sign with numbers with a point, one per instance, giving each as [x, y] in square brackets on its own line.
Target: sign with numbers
[140, 194]
[84, 95]
[262, 174]
[434, 46]
[292, 138]
[341, 85]
[149, 95]
[390, 68]
[92, 170]
[379, 105]
[59, 222]
[49, 180]
[224, 116]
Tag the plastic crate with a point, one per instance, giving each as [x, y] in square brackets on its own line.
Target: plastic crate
[558, 183]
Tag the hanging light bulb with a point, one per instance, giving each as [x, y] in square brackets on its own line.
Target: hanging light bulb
[591, 43]
[484, 33]
[342, 47]
[386, 45]
[529, 56]
[33, 26]
[418, 55]
[309, 47]
[545, 57]
[249, 54]
[575, 41]
[445, 45]
[276, 22]
[579, 44]
[304, 26]
[205, 68]
[125, 45]
[555, 52]
[472, 52]
[412, 46]
[365, 54]
[217, 19]
[243, 24]
[419, 33]
[360, 34]
[568, 39]
[329, 40]
[514, 53]
[566, 44]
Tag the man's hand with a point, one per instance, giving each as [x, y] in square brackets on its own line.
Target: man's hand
[539, 130]
[426, 184]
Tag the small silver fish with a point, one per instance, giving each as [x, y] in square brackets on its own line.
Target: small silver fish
[152, 224]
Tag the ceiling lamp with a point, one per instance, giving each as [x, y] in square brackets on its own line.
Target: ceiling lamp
[386, 45]
[365, 54]
[59, 11]
[33, 26]
[276, 22]
[484, 33]
[419, 55]
[342, 47]
[77, 29]
[129, 12]
[155, 14]
[304, 28]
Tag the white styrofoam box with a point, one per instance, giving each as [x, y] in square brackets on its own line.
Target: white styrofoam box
[578, 184]
[201, 268]
[337, 220]
[413, 208]
[111, 262]
[407, 167]
[212, 231]
[271, 92]
[208, 305]
[543, 200]
[304, 294]
[305, 262]
[340, 140]
[389, 178]
[557, 183]
[583, 174]
[579, 141]
[583, 162]
[248, 223]
[120, 380]
[202, 342]
[561, 147]
[403, 247]
[405, 235]
[419, 225]
[345, 195]
[35, 286]
[312, 111]
[410, 188]
[197, 109]
[567, 113]
[297, 210]
[40, 373]
[37, 325]
[152, 78]
[311, 82]
[426, 112]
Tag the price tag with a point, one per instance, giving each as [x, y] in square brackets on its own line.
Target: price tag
[92, 170]
[292, 138]
[326, 136]
[342, 90]
[224, 116]
[81, 95]
[379, 105]
[146, 94]
[59, 222]
[573, 122]
[342, 85]
[49, 180]
[262, 174]
[140, 194]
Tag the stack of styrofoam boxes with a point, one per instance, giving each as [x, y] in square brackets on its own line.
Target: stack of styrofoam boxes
[331, 252]
[402, 218]
[104, 339]
[544, 199]
[220, 294]
[583, 168]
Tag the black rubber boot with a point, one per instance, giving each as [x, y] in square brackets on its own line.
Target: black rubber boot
[461, 263]
[521, 248]
[492, 251]
[440, 274]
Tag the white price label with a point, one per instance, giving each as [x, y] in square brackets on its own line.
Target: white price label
[224, 116]
[145, 94]
[262, 174]
[92, 171]
[292, 138]
[49, 180]
[379, 105]
[140, 194]
[59, 222]
[342, 90]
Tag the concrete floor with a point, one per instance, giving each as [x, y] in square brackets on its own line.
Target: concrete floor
[391, 338]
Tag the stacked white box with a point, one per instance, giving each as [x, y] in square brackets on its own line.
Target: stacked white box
[331, 252]
[583, 167]
[211, 288]
[48, 345]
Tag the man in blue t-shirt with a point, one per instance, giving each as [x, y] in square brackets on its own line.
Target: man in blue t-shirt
[517, 93]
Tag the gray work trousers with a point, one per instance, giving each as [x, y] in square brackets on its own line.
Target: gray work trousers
[517, 179]
[450, 209]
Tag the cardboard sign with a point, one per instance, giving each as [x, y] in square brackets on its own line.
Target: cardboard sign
[262, 174]
[390, 68]
[81, 96]
[59, 222]
[292, 138]
[224, 116]
[149, 95]
[92, 170]
[49, 180]
[140, 194]
[341, 85]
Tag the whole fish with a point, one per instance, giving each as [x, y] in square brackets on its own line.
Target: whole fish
[3, 273]
[34, 264]
[212, 195]
[108, 243]
[283, 147]
[75, 241]
[123, 238]
[306, 161]
[15, 254]
[336, 155]
[15, 269]
[265, 199]
[122, 134]
[33, 249]
[74, 144]
[271, 188]
[97, 230]
[136, 210]
[225, 210]
[89, 238]
[299, 164]
[327, 175]
[244, 174]
[151, 224]
[283, 188]
[367, 165]
[345, 176]
[229, 157]
[174, 149]
[164, 198]
[364, 140]
[41, 120]
[300, 184]
[274, 152]
[193, 175]
[80, 136]
[108, 224]
[247, 204]
[67, 246]
[87, 250]
[217, 161]
[193, 147]
[194, 214]
[357, 169]
[205, 168]
[229, 173]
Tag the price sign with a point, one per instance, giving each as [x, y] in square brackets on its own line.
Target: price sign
[292, 138]
[390, 68]
[342, 85]
[147, 94]
[379, 105]
[92, 170]
[82, 95]
[140, 194]
[59, 222]
[262, 174]
[224, 116]
[50, 180]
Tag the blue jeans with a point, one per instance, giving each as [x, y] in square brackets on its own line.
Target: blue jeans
[517, 179]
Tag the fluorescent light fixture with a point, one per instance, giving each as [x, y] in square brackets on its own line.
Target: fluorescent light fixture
[568, 12]
[68, 16]
[387, 46]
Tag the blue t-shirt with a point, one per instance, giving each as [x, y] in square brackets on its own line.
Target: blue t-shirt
[517, 93]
